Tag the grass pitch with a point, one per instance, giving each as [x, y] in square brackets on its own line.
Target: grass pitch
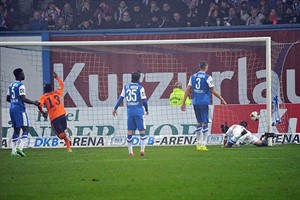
[173, 172]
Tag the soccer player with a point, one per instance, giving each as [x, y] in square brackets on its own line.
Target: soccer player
[177, 95]
[238, 135]
[137, 107]
[19, 119]
[56, 110]
[201, 85]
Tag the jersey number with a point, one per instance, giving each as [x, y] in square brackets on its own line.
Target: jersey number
[131, 95]
[197, 85]
[57, 101]
[13, 95]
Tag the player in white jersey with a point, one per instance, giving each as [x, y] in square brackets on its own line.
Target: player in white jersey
[201, 85]
[137, 107]
[19, 119]
[238, 135]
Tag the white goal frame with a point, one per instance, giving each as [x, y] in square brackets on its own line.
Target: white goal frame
[266, 40]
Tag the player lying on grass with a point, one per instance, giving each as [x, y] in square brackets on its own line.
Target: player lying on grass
[56, 110]
[137, 107]
[237, 135]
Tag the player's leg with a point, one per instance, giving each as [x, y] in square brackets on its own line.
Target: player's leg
[141, 125]
[143, 138]
[14, 142]
[198, 130]
[130, 127]
[205, 130]
[17, 122]
[23, 140]
[129, 143]
[257, 142]
[68, 140]
[24, 137]
[59, 126]
[233, 138]
[205, 134]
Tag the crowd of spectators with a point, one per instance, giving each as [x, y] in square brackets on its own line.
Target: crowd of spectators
[118, 14]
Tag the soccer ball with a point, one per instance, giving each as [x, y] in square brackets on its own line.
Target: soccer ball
[254, 116]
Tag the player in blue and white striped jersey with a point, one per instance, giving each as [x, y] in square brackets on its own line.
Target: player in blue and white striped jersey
[137, 107]
[19, 119]
[201, 85]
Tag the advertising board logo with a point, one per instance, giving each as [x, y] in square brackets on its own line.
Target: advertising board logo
[215, 139]
[118, 140]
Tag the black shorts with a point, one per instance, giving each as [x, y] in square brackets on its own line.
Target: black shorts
[59, 124]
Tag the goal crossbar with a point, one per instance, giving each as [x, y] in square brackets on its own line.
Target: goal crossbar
[135, 42]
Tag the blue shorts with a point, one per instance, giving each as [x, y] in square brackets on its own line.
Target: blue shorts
[136, 122]
[201, 112]
[18, 119]
[59, 124]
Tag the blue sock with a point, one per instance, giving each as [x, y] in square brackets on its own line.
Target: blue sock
[143, 136]
[204, 129]
[129, 143]
[25, 134]
[15, 137]
[129, 138]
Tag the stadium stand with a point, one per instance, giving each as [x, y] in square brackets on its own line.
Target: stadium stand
[18, 15]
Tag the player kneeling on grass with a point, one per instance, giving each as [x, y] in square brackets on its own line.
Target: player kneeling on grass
[136, 101]
[56, 110]
[237, 135]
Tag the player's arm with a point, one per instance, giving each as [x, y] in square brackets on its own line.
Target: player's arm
[120, 100]
[60, 82]
[117, 105]
[145, 104]
[22, 93]
[144, 100]
[226, 135]
[45, 114]
[186, 93]
[41, 103]
[8, 98]
[188, 101]
[216, 93]
[28, 101]
[225, 140]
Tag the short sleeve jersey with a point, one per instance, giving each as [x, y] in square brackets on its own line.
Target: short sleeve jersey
[53, 102]
[133, 94]
[201, 83]
[15, 91]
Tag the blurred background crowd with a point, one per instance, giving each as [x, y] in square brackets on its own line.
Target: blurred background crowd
[22, 15]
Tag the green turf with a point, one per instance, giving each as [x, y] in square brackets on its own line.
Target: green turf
[179, 172]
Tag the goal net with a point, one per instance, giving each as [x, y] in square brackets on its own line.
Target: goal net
[246, 71]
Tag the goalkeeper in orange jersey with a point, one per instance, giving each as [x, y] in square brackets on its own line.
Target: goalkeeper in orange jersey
[56, 110]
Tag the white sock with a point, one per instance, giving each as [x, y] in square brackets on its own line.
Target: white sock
[205, 136]
[14, 146]
[21, 145]
[130, 150]
[143, 145]
[199, 138]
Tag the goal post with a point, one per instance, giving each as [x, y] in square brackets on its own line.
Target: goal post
[163, 62]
